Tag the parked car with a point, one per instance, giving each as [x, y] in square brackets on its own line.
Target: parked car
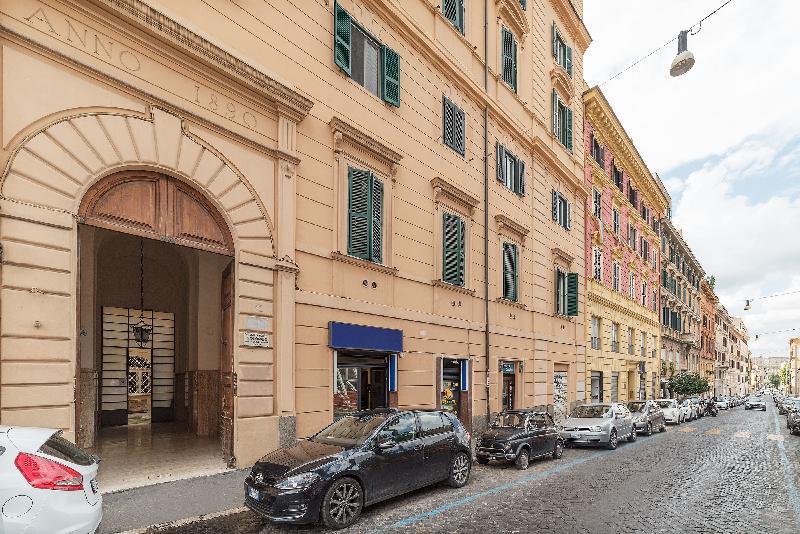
[356, 461]
[520, 436]
[692, 409]
[784, 405]
[793, 418]
[673, 412]
[599, 424]
[723, 403]
[647, 416]
[755, 403]
[47, 484]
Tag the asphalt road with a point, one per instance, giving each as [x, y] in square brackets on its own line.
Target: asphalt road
[734, 473]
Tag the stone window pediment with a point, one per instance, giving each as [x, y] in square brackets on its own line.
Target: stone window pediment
[449, 193]
[562, 83]
[511, 228]
[512, 13]
[363, 148]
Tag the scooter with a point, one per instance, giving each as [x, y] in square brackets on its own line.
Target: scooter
[711, 409]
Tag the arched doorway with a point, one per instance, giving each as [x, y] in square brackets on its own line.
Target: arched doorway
[154, 253]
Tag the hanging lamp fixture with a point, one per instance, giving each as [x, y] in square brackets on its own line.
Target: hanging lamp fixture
[141, 330]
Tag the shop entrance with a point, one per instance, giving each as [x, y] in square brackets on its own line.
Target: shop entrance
[509, 385]
[361, 383]
[155, 351]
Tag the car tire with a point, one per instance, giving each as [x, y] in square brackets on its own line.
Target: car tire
[612, 440]
[342, 504]
[632, 436]
[663, 426]
[558, 451]
[649, 431]
[458, 474]
[523, 460]
[483, 461]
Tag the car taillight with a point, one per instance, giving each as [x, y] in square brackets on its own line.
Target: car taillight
[42, 473]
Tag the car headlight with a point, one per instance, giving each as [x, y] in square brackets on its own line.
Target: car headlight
[595, 429]
[301, 481]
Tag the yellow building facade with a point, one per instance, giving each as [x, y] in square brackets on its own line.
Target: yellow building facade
[623, 212]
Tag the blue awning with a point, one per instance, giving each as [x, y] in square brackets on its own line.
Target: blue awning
[368, 338]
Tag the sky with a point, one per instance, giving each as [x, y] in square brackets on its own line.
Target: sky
[724, 138]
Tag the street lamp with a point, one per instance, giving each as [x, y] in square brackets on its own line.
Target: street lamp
[684, 61]
[747, 305]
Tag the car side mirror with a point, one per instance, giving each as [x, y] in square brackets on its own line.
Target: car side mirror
[386, 444]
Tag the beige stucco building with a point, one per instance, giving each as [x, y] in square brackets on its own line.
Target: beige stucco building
[794, 365]
[623, 212]
[236, 223]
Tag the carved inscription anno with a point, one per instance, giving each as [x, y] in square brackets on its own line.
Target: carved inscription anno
[81, 36]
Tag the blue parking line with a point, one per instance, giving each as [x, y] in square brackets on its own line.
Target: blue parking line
[530, 478]
[794, 497]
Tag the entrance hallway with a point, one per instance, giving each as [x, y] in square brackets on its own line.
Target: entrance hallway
[139, 455]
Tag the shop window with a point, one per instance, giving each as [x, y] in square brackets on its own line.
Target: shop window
[596, 388]
[362, 383]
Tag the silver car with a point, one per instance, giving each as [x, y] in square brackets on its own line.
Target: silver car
[647, 416]
[755, 403]
[599, 424]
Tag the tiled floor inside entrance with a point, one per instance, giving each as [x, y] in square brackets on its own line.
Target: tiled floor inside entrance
[140, 455]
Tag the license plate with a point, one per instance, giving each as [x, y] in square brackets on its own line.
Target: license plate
[575, 435]
[95, 486]
[253, 493]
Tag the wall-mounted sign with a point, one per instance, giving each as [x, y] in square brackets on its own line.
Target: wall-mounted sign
[256, 339]
[508, 368]
[255, 322]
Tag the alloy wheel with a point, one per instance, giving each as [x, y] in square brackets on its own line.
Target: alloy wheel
[460, 469]
[649, 429]
[612, 440]
[559, 450]
[345, 503]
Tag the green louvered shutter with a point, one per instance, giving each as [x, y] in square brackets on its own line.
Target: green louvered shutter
[509, 59]
[555, 206]
[553, 41]
[569, 129]
[555, 113]
[572, 294]
[453, 11]
[391, 76]
[341, 38]
[569, 61]
[453, 250]
[376, 229]
[520, 177]
[509, 271]
[501, 163]
[358, 225]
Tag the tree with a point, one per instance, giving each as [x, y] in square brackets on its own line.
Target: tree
[712, 281]
[775, 380]
[685, 384]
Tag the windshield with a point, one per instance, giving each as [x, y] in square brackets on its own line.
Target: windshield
[636, 406]
[666, 404]
[351, 430]
[509, 420]
[592, 412]
[754, 399]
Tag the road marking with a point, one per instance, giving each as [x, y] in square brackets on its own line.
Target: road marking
[742, 434]
[712, 432]
[688, 429]
[187, 521]
[775, 437]
[788, 474]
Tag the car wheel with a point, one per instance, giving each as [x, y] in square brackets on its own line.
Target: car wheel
[612, 440]
[523, 460]
[632, 436]
[649, 429]
[459, 470]
[663, 426]
[483, 461]
[558, 451]
[342, 504]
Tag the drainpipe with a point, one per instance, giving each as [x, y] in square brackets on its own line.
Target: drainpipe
[486, 203]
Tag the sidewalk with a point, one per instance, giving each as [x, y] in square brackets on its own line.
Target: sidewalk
[170, 501]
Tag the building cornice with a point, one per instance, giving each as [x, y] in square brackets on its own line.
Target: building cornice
[506, 223]
[511, 11]
[611, 133]
[343, 131]
[678, 237]
[288, 100]
[444, 190]
[572, 21]
[628, 308]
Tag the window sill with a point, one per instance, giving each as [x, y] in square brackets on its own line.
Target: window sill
[344, 258]
[452, 287]
[565, 317]
[512, 303]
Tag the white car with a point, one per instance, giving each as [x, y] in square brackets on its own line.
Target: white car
[723, 403]
[47, 484]
[673, 412]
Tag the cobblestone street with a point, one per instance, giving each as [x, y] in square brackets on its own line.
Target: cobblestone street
[733, 473]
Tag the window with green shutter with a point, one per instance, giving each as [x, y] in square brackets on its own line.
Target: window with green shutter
[365, 215]
[453, 10]
[453, 126]
[510, 170]
[572, 294]
[510, 272]
[453, 249]
[509, 59]
[562, 121]
[371, 64]
[561, 52]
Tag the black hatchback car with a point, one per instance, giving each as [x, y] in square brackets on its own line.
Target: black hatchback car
[358, 460]
[519, 436]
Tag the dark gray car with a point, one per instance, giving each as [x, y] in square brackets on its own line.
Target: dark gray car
[647, 416]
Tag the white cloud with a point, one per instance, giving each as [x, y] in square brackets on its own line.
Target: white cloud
[743, 82]
[674, 185]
